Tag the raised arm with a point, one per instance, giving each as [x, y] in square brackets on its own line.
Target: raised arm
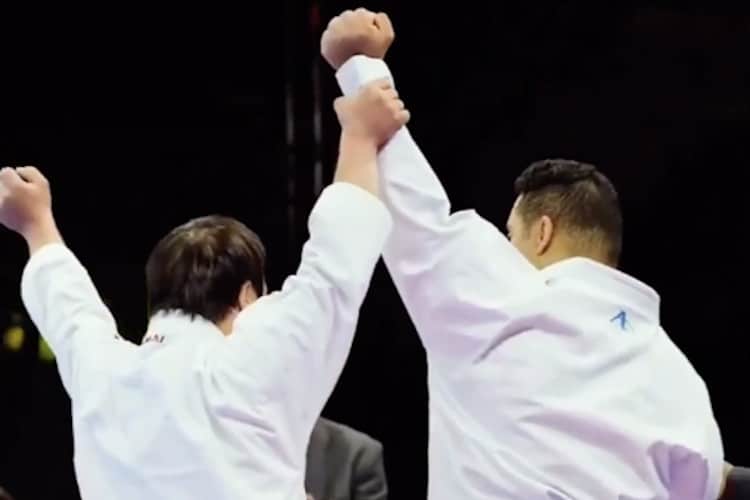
[56, 289]
[452, 271]
[288, 349]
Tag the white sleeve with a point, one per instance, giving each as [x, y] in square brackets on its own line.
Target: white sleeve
[288, 349]
[453, 272]
[69, 314]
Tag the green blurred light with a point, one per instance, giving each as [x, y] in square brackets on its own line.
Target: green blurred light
[45, 353]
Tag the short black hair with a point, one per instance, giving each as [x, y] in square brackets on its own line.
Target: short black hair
[200, 267]
[576, 195]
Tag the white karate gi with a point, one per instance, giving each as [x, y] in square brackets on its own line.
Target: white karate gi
[552, 384]
[190, 413]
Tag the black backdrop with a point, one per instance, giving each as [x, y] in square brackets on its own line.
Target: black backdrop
[143, 120]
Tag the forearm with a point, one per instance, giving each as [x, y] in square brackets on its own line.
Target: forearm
[406, 175]
[411, 189]
[453, 271]
[357, 162]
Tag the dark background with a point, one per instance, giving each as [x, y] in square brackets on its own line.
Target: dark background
[143, 119]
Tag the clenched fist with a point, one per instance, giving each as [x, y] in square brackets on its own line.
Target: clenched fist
[376, 113]
[356, 32]
[25, 199]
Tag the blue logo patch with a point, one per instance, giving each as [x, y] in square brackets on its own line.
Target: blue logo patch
[621, 319]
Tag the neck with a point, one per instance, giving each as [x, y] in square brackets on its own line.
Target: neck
[558, 253]
[226, 324]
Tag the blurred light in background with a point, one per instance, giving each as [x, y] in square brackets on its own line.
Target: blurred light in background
[14, 338]
[45, 353]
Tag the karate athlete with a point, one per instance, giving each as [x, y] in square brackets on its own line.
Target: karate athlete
[220, 400]
[550, 376]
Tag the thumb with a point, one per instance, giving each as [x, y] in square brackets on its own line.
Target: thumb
[32, 175]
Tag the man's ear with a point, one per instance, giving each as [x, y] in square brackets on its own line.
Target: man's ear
[247, 295]
[544, 235]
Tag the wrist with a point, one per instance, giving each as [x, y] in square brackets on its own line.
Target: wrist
[342, 60]
[41, 231]
[357, 163]
[358, 140]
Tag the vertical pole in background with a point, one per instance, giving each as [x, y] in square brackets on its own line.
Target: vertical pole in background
[300, 147]
[290, 140]
[317, 120]
[325, 90]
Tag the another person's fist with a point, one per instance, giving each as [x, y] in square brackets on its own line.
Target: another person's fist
[356, 32]
[376, 113]
[25, 199]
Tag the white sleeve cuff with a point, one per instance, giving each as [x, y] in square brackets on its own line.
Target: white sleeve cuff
[359, 71]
